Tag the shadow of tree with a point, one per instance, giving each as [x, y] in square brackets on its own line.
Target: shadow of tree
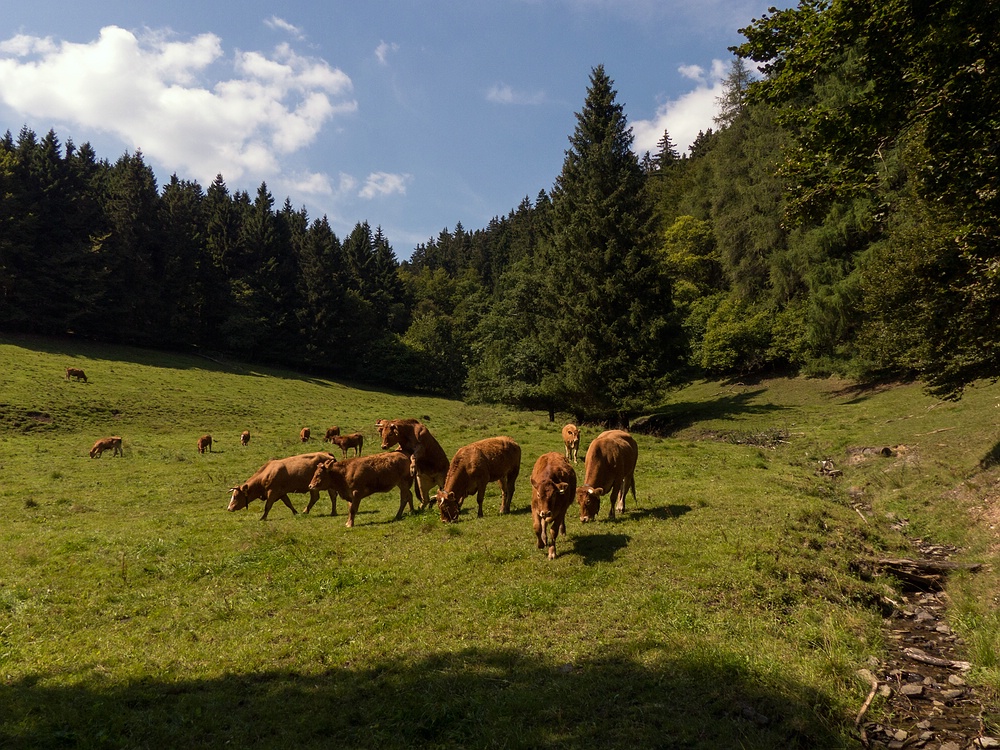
[640, 695]
[673, 418]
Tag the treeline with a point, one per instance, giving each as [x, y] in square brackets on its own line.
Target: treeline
[840, 217]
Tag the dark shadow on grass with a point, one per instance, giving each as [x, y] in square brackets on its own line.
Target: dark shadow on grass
[636, 695]
[600, 547]
[673, 418]
[991, 459]
[660, 514]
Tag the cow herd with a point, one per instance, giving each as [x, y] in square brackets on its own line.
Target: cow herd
[419, 463]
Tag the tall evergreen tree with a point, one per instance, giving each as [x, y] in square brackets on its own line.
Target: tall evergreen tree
[605, 313]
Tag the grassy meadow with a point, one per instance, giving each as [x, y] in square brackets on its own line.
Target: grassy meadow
[728, 609]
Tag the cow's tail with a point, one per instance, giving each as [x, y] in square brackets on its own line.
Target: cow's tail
[416, 483]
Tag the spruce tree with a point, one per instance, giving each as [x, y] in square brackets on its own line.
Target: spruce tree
[612, 319]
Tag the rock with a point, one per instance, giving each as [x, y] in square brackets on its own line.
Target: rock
[986, 742]
[913, 690]
[954, 679]
[950, 695]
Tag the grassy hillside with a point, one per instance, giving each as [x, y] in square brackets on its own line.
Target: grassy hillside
[725, 610]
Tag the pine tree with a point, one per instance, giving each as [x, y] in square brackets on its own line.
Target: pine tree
[606, 306]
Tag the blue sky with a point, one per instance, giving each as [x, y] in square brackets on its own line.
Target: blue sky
[412, 115]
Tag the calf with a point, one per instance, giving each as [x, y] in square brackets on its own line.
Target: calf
[304, 435]
[610, 469]
[75, 372]
[355, 441]
[331, 432]
[496, 459]
[357, 478]
[553, 486]
[245, 438]
[275, 479]
[571, 440]
[428, 460]
[205, 443]
[113, 443]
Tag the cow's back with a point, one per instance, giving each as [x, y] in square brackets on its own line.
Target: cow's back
[379, 472]
[291, 474]
[500, 455]
[611, 457]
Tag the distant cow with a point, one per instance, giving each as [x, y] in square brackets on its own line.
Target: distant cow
[355, 440]
[474, 466]
[553, 486]
[245, 438]
[205, 443]
[357, 478]
[571, 440]
[76, 372]
[428, 460]
[275, 479]
[304, 435]
[610, 470]
[113, 443]
[331, 432]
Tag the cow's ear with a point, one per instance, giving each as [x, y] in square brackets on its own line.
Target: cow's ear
[561, 487]
[596, 491]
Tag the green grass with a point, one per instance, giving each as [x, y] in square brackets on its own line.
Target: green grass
[725, 610]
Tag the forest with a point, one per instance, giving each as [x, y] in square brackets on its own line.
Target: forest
[840, 217]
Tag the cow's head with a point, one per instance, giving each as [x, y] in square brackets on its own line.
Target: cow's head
[546, 493]
[389, 433]
[448, 505]
[322, 474]
[240, 498]
[589, 499]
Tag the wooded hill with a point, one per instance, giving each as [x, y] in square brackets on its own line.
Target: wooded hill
[841, 217]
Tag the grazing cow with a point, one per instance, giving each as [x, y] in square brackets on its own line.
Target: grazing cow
[553, 487]
[331, 432]
[205, 443]
[357, 478]
[304, 435]
[474, 466]
[571, 439]
[245, 438]
[76, 372]
[428, 460]
[610, 469]
[355, 440]
[113, 443]
[275, 479]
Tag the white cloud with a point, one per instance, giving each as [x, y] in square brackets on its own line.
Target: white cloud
[686, 115]
[503, 93]
[167, 96]
[382, 184]
[383, 50]
[280, 24]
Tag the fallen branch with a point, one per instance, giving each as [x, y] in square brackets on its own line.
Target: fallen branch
[866, 674]
[922, 656]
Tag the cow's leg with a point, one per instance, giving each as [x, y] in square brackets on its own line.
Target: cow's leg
[426, 482]
[480, 494]
[313, 497]
[554, 525]
[352, 508]
[615, 499]
[286, 501]
[405, 498]
[536, 522]
[333, 502]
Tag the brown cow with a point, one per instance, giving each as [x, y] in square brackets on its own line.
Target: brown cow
[245, 438]
[428, 460]
[357, 478]
[331, 432]
[113, 443]
[355, 440]
[571, 439]
[76, 372]
[610, 469]
[275, 479]
[205, 443]
[304, 435]
[553, 486]
[474, 466]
